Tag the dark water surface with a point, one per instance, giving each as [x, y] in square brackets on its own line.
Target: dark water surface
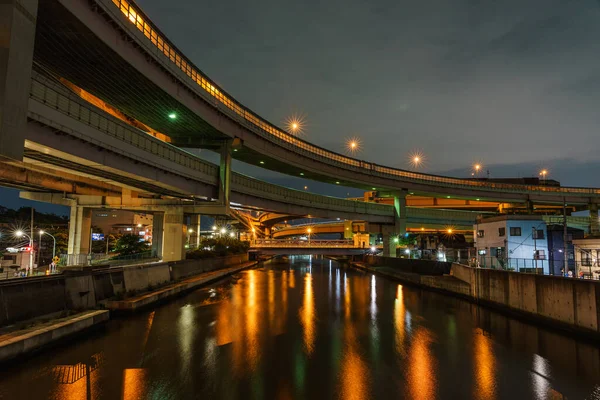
[311, 330]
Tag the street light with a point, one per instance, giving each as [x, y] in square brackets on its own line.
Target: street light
[53, 238]
[223, 231]
[19, 234]
[543, 174]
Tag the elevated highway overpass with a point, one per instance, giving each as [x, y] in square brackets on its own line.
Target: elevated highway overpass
[52, 140]
[120, 55]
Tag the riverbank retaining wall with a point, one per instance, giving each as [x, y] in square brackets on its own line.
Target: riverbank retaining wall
[406, 265]
[26, 298]
[569, 302]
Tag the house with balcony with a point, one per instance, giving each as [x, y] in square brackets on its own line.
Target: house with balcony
[515, 242]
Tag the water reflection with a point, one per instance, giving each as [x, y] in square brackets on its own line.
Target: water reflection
[422, 374]
[307, 314]
[134, 384]
[307, 331]
[485, 366]
[399, 318]
[540, 374]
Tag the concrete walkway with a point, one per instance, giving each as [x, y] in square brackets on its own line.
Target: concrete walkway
[136, 302]
[14, 343]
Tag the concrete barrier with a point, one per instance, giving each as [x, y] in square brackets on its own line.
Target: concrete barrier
[569, 303]
[84, 288]
[186, 268]
[421, 267]
[142, 277]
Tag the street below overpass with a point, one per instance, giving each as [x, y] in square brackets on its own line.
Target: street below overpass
[311, 330]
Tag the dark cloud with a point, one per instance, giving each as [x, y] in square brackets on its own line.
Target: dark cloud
[503, 82]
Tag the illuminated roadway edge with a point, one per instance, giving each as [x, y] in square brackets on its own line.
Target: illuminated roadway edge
[265, 142]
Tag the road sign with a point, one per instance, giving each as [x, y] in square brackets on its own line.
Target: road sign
[97, 236]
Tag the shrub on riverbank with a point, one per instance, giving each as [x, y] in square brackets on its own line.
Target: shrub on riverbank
[218, 247]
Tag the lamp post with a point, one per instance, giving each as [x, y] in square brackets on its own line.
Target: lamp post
[309, 231]
[53, 238]
[21, 234]
[543, 174]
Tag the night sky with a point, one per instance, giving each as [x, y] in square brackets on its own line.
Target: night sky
[512, 84]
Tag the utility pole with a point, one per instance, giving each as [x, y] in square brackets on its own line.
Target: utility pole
[565, 235]
[535, 255]
[31, 258]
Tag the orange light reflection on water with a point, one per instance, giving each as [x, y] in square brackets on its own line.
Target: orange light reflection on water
[422, 377]
[485, 367]
[134, 384]
[399, 315]
[307, 315]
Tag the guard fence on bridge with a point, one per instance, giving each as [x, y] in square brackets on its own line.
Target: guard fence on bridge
[293, 243]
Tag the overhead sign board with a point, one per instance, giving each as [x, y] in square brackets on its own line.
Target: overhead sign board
[97, 236]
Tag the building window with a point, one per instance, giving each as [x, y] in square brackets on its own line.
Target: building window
[482, 252]
[539, 255]
[501, 231]
[480, 233]
[538, 233]
[101, 215]
[586, 258]
[515, 231]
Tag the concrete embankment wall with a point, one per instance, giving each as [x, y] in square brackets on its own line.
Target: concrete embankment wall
[26, 298]
[568, 302]
[421, 267]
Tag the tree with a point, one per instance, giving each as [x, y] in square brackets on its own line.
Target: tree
[130, 244]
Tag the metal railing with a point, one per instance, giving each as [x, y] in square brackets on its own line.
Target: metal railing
[101, 258]
[288, 243]
[155, 43]
[532, 266]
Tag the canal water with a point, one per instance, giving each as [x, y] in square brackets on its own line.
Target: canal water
[310, 329]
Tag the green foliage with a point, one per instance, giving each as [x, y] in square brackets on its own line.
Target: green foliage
[219, 247]
[130, 244]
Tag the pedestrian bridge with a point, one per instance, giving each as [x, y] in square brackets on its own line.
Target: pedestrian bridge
[291, 246]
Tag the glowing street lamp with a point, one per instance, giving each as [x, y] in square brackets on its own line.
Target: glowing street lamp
[173, 115]
[53, 238]
[223, 231]
[416, 159]
[353, 145]
[214, 228]
[543, 174]
[477, 168]
[19, 234]
[231, 234]
[295, 125]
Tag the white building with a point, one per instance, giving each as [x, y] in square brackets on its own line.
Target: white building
[512, 241]
[587, 256]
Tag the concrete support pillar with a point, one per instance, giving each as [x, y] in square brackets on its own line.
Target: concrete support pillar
[17, 35]
[195, 226]
[174, 235]
[399, 229]
[80, 225]
[594, 223]
[157, 234]
[225, 174]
